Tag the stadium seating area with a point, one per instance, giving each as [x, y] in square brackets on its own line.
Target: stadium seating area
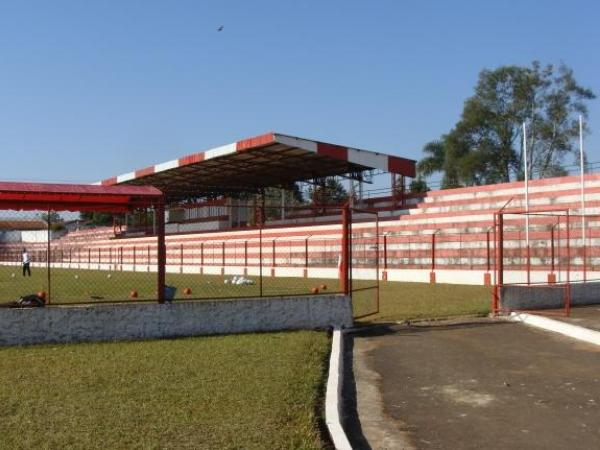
[441, 236]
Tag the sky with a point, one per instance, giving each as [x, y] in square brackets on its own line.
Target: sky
[89, 90]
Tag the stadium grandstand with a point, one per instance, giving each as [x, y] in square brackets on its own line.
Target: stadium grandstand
[216, 222]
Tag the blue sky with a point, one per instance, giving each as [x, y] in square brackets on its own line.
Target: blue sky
[94, 89]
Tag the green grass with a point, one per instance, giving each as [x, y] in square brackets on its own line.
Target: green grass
[251, 391]
[398, 301]
[403, 301]
[72, 285]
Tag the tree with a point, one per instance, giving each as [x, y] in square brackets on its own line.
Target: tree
[418, 185]
[292, 196]
[485, 146]
[328, 191]
[97, 218]
[53, 219]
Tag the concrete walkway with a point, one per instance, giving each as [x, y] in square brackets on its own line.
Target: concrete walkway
[492, 385]
[584, 316]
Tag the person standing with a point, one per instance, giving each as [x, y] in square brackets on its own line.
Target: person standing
[26, 263]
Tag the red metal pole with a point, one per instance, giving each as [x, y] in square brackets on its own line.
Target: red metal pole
[202, 253]
[385, 264]
[552, 249]
[223, 253]
[584, 254]
[48, 265]
[528, 250]
[487, 257]
[499, 265]
[568, 293]
[377, 258]
[306, 255]
[161, 251]
[260, 262]
[273, 251]
[345, 262]
[433, 252]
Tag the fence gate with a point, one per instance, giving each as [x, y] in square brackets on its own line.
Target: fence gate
[364, 270]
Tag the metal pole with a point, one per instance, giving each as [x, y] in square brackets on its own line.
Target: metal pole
[433, 251]
[581, 163]
[552, 249]
[161, 251]
[306, 256]
[526, 163]
[260, 264]
[48, 275]
[385, 266]
[568, 293]
[377, 258]
[344, 265]
[487, 255]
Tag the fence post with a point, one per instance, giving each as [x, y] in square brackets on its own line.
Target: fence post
[260, 259]
[385, 262]
[487, 255]
[306, 258]
[432, 272]
[499, 225]
[48, 262]
[180, 258]
[584, 252]
[345, 262]
[568, 301]
[161, 250]
[274, 259]
[245, 258]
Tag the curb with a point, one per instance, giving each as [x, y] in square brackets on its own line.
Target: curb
[566, 329]
[333, 404]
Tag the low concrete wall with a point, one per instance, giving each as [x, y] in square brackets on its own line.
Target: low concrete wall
[548, 296]
[106, 322]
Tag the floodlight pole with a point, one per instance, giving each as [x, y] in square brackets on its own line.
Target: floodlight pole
[581, 164]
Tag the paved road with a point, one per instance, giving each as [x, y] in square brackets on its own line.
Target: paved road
[475, 386]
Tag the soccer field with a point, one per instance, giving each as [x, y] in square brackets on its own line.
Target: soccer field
[72, 285]
[251, 391]
[398, 301]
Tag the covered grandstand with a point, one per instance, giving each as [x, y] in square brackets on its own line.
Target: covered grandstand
[224, 187]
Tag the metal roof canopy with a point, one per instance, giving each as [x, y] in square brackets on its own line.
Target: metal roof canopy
[77, 197]
[249, 165]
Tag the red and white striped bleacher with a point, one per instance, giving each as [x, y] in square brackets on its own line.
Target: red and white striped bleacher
[459, 221]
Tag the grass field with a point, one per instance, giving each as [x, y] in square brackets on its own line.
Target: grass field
[71, 285]
[398, 301]
[403, 301]
[250, 391]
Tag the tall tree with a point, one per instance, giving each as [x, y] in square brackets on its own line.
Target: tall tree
[485, 146]
[329, 192]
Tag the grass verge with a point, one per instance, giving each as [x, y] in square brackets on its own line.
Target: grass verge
[249, 391]
[405, 301]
